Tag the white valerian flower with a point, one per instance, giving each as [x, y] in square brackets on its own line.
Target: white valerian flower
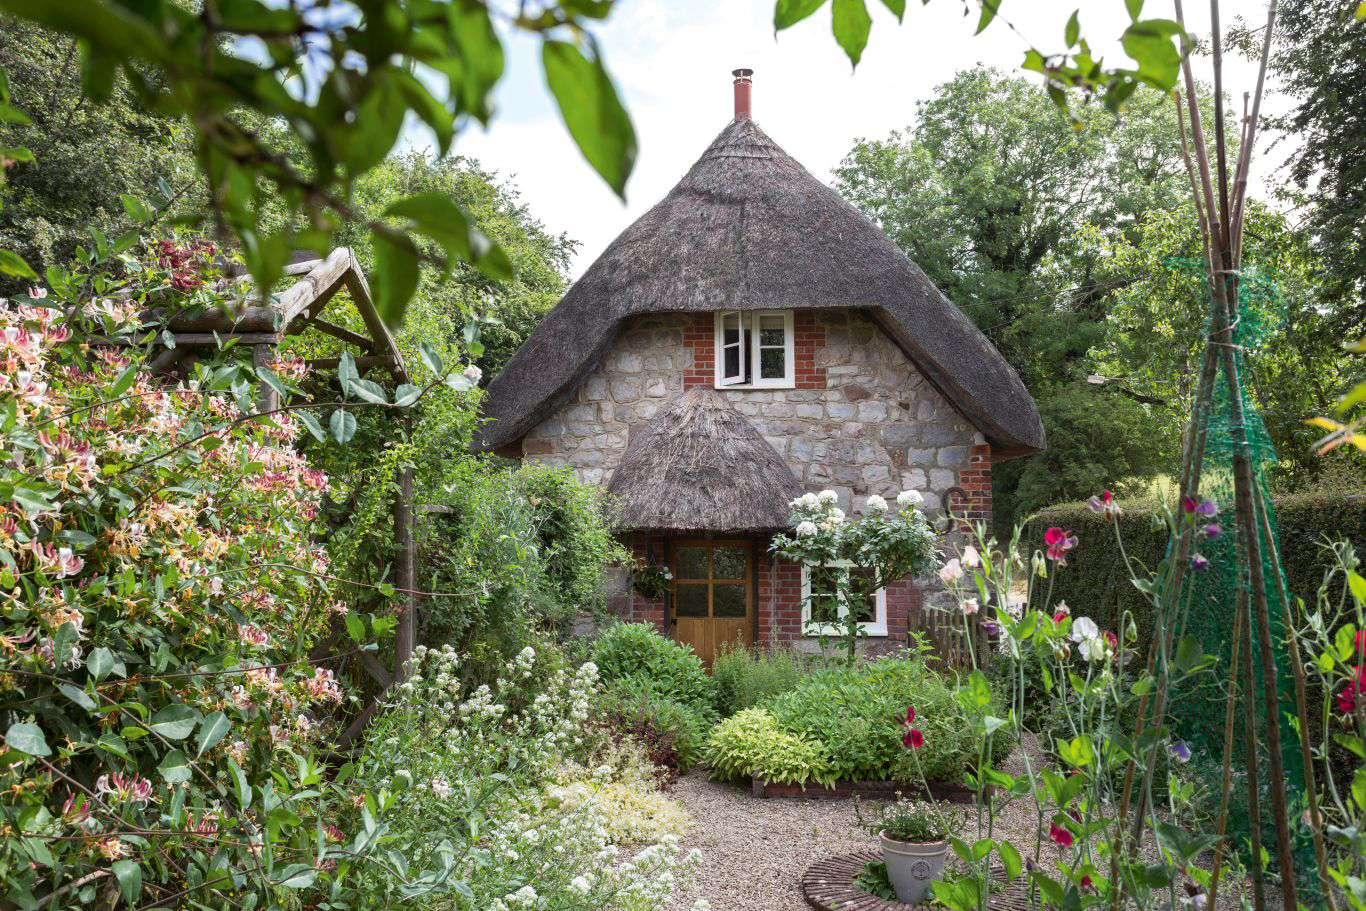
[828, 496]
[876, 504]
[971, 558]
[579, 885]
[806, 529]
[909, 498]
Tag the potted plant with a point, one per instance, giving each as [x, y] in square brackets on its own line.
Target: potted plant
[915, 845]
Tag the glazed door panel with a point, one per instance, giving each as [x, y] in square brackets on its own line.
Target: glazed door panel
[713, 596]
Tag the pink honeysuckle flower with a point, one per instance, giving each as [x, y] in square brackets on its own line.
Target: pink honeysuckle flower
[132, 788]
[1059, 543]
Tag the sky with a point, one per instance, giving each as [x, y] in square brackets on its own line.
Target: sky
[672, 63]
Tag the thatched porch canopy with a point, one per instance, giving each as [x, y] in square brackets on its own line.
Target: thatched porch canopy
[749, 228]
[698, 465]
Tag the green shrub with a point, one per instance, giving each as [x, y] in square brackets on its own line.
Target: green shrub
[670, 732]
[744, 677]
[1096, 583]
[856, 714]
[752, 744]
[637, 651]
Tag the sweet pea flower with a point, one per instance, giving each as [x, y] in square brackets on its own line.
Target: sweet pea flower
[1212, 530]
[1059, 543]
[1106, 503]
[910, 714]
[1061, 836]
[913, 739]
[1180, 751]
[970, 606]
[1199, 562]
[1061, 610]
[971, 558]
[951, 572]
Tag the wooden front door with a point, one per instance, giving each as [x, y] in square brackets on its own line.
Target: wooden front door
[713, 597]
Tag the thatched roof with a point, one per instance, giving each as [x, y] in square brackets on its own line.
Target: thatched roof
[749, 228]
[698, 465]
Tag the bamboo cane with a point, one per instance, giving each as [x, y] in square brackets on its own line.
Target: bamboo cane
[1230, 705]
[1254, 800]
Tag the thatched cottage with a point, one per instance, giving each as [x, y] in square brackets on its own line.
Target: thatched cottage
[751, 337]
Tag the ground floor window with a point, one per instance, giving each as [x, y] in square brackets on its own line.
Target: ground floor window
[824, 609]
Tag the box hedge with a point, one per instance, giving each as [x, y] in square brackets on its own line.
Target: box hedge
[1096, 583]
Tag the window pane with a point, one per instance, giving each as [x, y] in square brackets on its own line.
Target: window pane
[692, 563]
[824, 608]
[728, 562]
[772, 331]
[862, 595]
[730, 329]
[730, 364]
[728, 600]
[772, 363]
[690, 599]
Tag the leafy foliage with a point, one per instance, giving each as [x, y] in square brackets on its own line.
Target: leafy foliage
[162, 596]
[1156, 46]
[751, 744]
[744, 677]
[856, 714]
[670, 732]
[339, 82]
[637, 652]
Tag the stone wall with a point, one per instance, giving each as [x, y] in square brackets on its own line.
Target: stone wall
[867, 423]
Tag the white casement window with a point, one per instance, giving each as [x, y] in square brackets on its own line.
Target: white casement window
[754, 349]
[824, 609]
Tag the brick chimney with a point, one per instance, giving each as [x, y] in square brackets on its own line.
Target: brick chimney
[742, 93]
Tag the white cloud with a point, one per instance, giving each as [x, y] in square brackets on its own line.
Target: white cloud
[672, 62]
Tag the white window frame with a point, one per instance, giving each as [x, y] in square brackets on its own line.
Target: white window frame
[878, 627]
[750, 353]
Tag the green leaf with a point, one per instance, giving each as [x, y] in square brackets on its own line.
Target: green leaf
[135, 208]
[1072, 31]
[124, 381]
[32, 500]
[129, 876]
[77, 695]
[370, 391]
[297, 876]
[592, 111]
[342, 424]
[212, 729]
[13, 264]
[100, 663]
[355, 627]
[406, 394]
[851, 24]
[174, 722]
[175, 768]
[989, 10]
[1189, 654]
[1134, 7]
[431, 358]
[270, 378]
[1361, 11]
[1150, 43]
[1357, 585]
[347, 374]
[395, 275]
[787, 13]
[1010, 860]
[481, 56]
[898, 8]
[311, 424]
[27, 738]
[242, 786]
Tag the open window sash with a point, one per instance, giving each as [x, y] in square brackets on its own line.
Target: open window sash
[734, 366]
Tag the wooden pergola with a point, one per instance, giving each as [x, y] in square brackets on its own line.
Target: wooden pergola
[262, 326]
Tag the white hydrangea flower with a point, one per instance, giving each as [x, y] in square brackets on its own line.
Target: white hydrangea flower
[876, 504]
[909, 498]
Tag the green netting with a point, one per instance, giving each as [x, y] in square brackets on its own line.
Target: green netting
[1198, 715]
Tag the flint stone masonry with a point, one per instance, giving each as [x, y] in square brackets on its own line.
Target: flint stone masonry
[877, 427]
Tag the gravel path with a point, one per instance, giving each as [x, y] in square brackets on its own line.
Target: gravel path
[755, 850]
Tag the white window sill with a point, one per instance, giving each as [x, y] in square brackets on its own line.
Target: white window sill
[865, 631]
[764, 388]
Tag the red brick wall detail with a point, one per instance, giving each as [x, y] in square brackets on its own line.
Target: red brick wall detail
[633, 607]
[808, 338]
[975, 480]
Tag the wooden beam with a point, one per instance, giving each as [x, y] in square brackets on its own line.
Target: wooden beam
[251, 319]
[405, 570]
[167, 359]
[313, 290]
[242, 338]
[375, 669]
[337, 332]
[365, 306]
[267, 398]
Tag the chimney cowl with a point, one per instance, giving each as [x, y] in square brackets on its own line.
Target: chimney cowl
[743, 84]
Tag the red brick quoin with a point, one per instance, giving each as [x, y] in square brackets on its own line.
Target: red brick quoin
[808, 337]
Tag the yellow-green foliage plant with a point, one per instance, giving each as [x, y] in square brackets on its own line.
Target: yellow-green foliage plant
[750, 744]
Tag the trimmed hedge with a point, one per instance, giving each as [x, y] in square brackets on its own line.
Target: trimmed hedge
[1096, 583]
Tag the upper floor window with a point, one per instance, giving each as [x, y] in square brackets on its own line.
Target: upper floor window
[754, 349]
[825, 608]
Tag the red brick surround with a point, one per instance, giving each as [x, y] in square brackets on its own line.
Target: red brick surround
[808, 337]
[975, 480]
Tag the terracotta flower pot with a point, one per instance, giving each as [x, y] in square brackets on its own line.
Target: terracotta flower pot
[912, 866]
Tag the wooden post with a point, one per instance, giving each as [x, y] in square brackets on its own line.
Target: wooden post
[405, 573]
[262, 356]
